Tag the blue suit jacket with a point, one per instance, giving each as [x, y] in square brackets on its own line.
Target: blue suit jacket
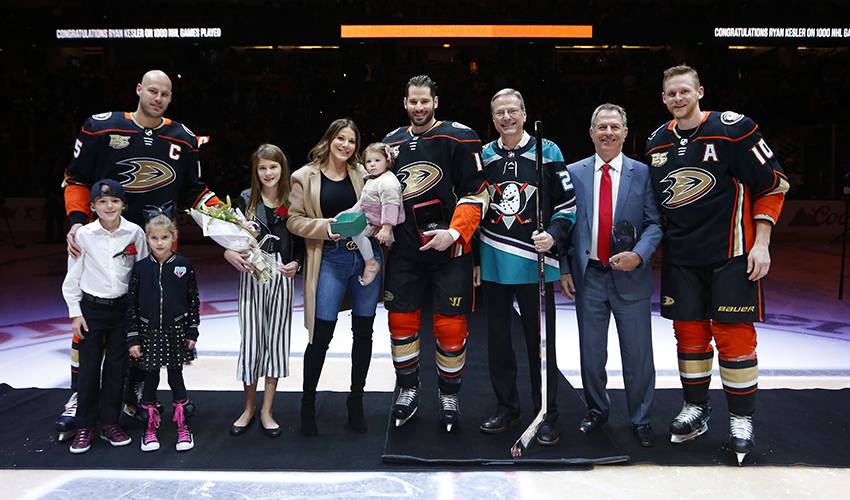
[636, 204]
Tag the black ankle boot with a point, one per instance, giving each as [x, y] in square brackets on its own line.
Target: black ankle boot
[356, 420]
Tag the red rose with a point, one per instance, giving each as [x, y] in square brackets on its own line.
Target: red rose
[128, 251]
[281, 211]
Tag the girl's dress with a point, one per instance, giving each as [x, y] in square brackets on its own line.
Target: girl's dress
[265, 310]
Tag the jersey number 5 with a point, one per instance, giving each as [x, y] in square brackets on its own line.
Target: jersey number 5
[761, 151]
[78, 146]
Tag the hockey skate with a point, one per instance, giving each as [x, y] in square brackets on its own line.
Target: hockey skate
[690, 423]
[449, 410]
[66, 423]
[405, 405]
[740, 435]
[131, 401]
[132, 407]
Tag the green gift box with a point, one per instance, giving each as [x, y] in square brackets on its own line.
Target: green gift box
[349, 224]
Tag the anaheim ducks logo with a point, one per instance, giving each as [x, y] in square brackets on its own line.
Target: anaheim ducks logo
[145, 174]
[509, 200]
[417, 178]
[686, 186]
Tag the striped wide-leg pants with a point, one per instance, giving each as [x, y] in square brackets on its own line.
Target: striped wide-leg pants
[265, 323]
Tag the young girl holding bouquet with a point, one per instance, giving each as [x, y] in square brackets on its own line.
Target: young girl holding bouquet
[164, 312]
[265, 309]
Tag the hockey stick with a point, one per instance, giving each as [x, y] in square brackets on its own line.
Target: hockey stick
[522, 443]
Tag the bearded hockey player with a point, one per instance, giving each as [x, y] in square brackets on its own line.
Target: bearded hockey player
[445, 197]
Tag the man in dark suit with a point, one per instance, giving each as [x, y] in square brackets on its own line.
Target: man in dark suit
[611, 273]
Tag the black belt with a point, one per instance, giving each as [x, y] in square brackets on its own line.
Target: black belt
[104, 302]
[346, 243]
[597, 265]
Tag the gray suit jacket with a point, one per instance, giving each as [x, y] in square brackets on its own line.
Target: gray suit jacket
[635, 203]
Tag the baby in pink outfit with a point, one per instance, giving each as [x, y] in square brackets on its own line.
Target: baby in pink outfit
[380, 201]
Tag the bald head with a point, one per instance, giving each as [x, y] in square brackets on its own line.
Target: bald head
[156, 76]
[154, 93]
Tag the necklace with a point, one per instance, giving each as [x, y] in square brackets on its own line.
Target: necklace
[333, 174]
[683, 141]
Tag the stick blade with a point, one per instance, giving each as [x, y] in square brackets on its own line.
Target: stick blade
[525, 439]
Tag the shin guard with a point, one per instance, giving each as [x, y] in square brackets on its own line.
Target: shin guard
[404, 335]
[693, 346]
[75, 362]
[450, 333]
[736, 345]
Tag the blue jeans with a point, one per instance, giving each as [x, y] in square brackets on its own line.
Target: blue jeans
[339, 274]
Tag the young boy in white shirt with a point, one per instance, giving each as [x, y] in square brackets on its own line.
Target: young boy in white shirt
[95, 290]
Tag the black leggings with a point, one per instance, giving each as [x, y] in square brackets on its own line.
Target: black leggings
[175, 381]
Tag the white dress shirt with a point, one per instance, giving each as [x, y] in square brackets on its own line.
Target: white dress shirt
[616, 165]
[97, 271]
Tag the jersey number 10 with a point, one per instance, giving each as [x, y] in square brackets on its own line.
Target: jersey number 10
[761, 151]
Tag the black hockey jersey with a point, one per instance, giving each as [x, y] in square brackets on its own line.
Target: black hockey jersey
[443, 163]
[154, 165]
[712, 183]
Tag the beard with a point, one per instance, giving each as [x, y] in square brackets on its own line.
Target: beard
[421, 121]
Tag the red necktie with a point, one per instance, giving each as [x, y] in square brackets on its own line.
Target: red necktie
[603, 236]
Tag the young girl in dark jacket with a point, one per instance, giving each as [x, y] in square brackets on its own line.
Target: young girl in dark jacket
[164, 314]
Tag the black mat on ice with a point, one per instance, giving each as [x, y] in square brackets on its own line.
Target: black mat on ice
[422, 440]
[28, 439]
[792, 427]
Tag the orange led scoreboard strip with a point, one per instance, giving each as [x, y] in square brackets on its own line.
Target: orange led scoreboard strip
[466, 31]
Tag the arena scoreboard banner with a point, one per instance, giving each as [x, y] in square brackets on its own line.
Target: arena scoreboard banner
[783, 33]
[156, 33]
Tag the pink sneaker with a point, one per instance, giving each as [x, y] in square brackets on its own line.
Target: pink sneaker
[149, 439]
[184, 435]
[115, 435]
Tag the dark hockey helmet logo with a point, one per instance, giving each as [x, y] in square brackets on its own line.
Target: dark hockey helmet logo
[145, 174]
[687, 185]
[417, 178]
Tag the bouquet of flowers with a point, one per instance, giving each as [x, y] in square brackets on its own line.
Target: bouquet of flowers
[228, 227]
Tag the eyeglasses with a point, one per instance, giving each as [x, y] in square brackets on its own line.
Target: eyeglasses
[512, 112]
